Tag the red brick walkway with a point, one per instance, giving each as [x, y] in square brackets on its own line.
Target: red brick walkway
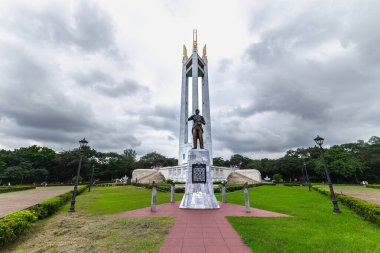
[202, 231]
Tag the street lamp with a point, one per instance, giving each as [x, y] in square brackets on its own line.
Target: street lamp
[92, 178]
[303, 175]
[319, 140]
[82, 143]
[307, 176]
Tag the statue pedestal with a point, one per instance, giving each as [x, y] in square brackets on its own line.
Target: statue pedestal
[199, 190]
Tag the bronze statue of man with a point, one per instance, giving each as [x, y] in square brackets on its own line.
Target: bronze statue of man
[197, 129]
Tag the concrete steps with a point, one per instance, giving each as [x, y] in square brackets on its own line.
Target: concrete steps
[238, 178]
[154, 176]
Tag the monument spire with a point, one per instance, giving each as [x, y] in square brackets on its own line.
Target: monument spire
[204, 55]
[185, 57]
[195, 40]
[194, 67]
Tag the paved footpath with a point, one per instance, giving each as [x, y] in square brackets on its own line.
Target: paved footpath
[14, 201]
[202, 231]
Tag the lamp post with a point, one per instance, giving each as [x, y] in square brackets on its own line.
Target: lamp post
[307, 176]
[303, 175]
[92, 178]
[319, 140]
[82, 143]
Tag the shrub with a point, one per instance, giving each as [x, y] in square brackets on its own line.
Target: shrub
[179, 190]
[169, 181]
[376, 186]
[80, 179]
[50, 206]
[15, 188]
[369, 211]
[277, 177]
[14, 224]
[292, 184]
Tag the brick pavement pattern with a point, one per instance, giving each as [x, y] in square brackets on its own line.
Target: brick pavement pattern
[202, 231]
[19, 200]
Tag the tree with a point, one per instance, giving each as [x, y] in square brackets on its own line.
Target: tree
[239, 161]
[130, 153]
[152, 159]
[15, 174]
[291, 165]
[38, 175]
[268, 166]
[254, 164]
[172, 161]
[277, 177]
[370, 156]
[340, 163]
[127, 162]
[3, 165]
[219, 161]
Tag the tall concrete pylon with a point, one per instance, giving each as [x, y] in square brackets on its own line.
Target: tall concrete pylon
[194, 67]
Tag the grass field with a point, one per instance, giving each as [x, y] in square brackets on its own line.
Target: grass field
[312, 226]
[110, 200]
[88, 230]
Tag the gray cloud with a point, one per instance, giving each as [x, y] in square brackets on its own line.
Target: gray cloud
[29, 95]
[107, 85]
[307, 71]
[116, 141]
[86, 27]
[315, 69]
[161, 117]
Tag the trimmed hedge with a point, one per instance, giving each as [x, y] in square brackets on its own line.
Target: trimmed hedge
[14, 224]
[4, 189]
[50, 206]
[369, 211]
[376, 186]
[238, 187]
[292, 184]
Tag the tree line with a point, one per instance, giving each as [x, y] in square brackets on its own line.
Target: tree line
[347, 163]
[36, 164]
[351, 163]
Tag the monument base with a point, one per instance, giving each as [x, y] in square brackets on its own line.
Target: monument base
[199, 190]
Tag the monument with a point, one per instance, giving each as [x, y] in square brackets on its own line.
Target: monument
[199, 189]
[195, 106]
[194, 68]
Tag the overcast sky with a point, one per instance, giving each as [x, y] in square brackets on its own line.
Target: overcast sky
[280, 73]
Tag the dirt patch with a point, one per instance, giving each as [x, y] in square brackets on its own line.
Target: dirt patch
[14, 201]
[68, 232]
[360, 192]
[367, 196]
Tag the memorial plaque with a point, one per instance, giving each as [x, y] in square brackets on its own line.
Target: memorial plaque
[199, 173]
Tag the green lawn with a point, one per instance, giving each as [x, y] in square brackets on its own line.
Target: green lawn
[110, 200]
[312, 227]
[88, 230]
